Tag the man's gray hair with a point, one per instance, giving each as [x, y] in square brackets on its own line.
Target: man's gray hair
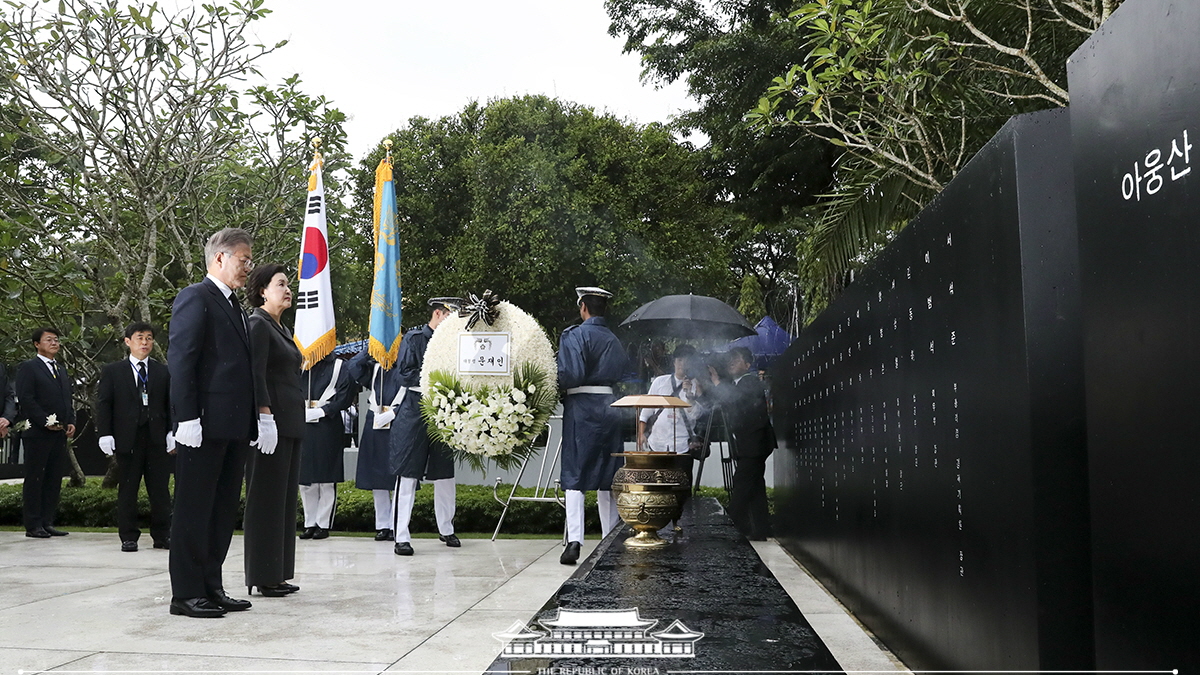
[226, 241]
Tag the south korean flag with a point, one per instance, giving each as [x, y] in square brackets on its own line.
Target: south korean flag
[316, 333]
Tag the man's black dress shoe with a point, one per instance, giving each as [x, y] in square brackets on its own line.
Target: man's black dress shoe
[270, 591]
[129, 546]
[451, 540]
[222, 600]
[308, 532]
[197, 608]
[55, 533]
[384, 535]
[403, 548]
[321, 533]
[37, 534]
[290, 588]
[571, 554]
[162, 543]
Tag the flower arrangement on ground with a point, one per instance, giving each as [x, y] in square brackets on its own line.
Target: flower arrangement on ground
[483, 415]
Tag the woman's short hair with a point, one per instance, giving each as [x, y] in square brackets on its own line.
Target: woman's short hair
[259, 279]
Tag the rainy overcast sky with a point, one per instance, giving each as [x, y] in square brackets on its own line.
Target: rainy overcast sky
[384, 61]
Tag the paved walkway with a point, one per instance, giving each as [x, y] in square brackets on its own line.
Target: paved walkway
[78, 604]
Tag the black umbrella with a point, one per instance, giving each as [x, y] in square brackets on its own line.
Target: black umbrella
[687, 317]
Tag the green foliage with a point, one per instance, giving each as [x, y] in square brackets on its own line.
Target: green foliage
[532, 197]
[124, 142]
[727, 52]
[750, 302]
[908, 91]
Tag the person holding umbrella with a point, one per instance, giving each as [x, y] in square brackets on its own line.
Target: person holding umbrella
[590, 361]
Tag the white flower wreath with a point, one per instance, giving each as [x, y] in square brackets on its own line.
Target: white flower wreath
[490, 416]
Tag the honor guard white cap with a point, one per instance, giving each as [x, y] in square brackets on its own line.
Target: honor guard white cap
[590, 290]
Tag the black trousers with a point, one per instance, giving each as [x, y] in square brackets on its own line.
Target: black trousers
[154, 465]
[748, 503]
[208, 488]
[272, 482]
[46, 463]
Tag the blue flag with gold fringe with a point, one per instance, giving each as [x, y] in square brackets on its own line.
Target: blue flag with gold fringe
[385, 333]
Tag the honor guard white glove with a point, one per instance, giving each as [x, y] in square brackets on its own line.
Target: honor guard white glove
[170, 442]
[190, 433]
[268, 434]
[383, 419]
[313, 414]
[107, 445]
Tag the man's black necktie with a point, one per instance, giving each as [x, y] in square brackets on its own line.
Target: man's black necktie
[143, 410]
[53, 369]
[237, 309]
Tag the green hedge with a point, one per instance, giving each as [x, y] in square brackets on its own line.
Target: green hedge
[95, 506]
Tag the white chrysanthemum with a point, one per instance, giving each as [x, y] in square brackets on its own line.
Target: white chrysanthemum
[529, 344]
[487, 415]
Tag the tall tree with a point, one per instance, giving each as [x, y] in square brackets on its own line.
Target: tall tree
[910, 90]
[532, 197]
[124, 145]
[727, 52]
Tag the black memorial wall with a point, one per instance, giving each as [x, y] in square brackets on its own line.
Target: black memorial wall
[932, 464]
[1135, 116]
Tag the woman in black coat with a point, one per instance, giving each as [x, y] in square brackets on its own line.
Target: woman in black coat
[273, 479]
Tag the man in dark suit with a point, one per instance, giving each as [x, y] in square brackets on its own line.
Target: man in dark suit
[133, 416]
[44, 391]
[212, 396]
[8, 403]
[745, 404]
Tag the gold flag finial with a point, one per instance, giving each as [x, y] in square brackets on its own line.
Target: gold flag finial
[387, 143]
[316, 143]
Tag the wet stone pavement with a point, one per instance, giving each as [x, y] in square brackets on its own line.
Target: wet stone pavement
[710, 579]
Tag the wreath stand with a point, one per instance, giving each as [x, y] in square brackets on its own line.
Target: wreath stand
[541, 492]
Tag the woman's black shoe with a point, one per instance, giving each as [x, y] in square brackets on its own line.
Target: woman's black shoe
[290, 588]
[269, 591]
[308, 532]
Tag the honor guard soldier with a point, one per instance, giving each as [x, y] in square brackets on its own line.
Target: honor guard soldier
[330, 391]
[373, 472]
[590, 361]
[418, 456]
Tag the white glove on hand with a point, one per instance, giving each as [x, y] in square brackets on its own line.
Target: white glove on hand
[107, 445]
[313, 414]
[268, 434]
[383, 420]
[190, 433]
[170, 442]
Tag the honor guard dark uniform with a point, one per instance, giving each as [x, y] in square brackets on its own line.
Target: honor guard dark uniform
[330, 390]
[416, 456]
[373, 470]
[590, 361]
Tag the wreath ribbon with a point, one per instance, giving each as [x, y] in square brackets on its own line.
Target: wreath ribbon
[480, 308]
